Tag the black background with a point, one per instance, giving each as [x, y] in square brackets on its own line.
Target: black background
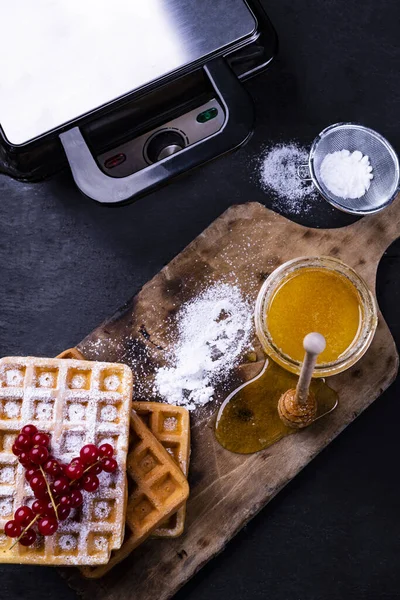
[67, 263]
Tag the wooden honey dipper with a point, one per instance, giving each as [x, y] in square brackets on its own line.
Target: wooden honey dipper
[298, 407]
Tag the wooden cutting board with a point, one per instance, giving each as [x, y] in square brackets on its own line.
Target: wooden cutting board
[242, 246]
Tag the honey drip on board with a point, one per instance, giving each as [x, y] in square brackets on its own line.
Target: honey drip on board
[314, 299]
[248, 420]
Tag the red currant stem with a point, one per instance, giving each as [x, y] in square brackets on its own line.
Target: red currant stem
[93, 465]
[87, 469]
[25, 530]
[49, 490]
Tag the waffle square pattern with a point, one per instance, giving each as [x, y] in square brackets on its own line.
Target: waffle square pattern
[171, 426]
[77, 402]
[157, 485]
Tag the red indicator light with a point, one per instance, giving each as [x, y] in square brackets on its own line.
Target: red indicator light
[115, 161]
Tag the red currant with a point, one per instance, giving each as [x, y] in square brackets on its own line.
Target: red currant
[12, 529]
[25, 459]
[74, 470]
[29, 430]
[52, 467]
[49, 511]
[23, 442]
[106, 450]
[63, 512]
[89, 454]
[90, 483]
[47, 526]
[23, 515]
[95, 469]
[39, 454]
[39, 507]
[41, 439]
[28, 538]
[109, 465]
[77, 484]
[42, 494]
[37, 482]
[60, 485]
[76, 498]
[63, 467]
[29, 473]
[65, 501]
[15, 450]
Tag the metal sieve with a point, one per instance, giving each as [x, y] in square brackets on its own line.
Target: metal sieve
[383, 158]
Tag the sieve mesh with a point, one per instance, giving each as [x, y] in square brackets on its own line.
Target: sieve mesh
[382, 157]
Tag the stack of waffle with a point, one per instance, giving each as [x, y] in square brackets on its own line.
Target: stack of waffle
[79, 402]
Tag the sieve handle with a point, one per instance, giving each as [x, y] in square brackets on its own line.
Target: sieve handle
[299, 171]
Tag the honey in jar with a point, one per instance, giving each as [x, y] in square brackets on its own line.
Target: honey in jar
[315, 294]
[314, 299]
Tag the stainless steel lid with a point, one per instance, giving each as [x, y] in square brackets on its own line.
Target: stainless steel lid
[67, 59]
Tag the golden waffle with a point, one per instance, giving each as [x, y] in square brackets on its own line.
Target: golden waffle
[77, 402]
[157, 489]
[171, 426]
[71, 353]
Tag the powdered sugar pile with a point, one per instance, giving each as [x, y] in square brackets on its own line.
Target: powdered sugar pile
[347, 174]
[213, 332]
[278, 173]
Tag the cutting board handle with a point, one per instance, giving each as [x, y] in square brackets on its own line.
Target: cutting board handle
[383, 228]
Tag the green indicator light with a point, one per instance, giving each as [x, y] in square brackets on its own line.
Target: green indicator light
[207, 115]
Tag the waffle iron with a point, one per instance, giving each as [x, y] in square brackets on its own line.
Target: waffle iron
[129, 94]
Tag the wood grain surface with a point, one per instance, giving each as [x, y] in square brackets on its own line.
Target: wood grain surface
[242, 246]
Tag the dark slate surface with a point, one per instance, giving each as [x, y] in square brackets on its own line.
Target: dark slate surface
[66, 264]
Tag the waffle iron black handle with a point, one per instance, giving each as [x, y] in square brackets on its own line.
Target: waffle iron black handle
[237, 128]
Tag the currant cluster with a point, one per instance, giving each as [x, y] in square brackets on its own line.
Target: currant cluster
[55, 497]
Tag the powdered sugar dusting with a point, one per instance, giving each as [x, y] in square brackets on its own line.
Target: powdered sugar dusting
[6, 507]
[102, 510]
[278, 173]
[12, 409]
[14, 377]
[44, 411]
[76, 412]
[74, 442]
[78, 382]
[67, 542]
[100, 542]
[213, 332]
[112, 383]
[108, 413]
[46, 380]
[7, 475]
[170, 424]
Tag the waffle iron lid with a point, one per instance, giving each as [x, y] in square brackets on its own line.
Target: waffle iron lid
[65, 59]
